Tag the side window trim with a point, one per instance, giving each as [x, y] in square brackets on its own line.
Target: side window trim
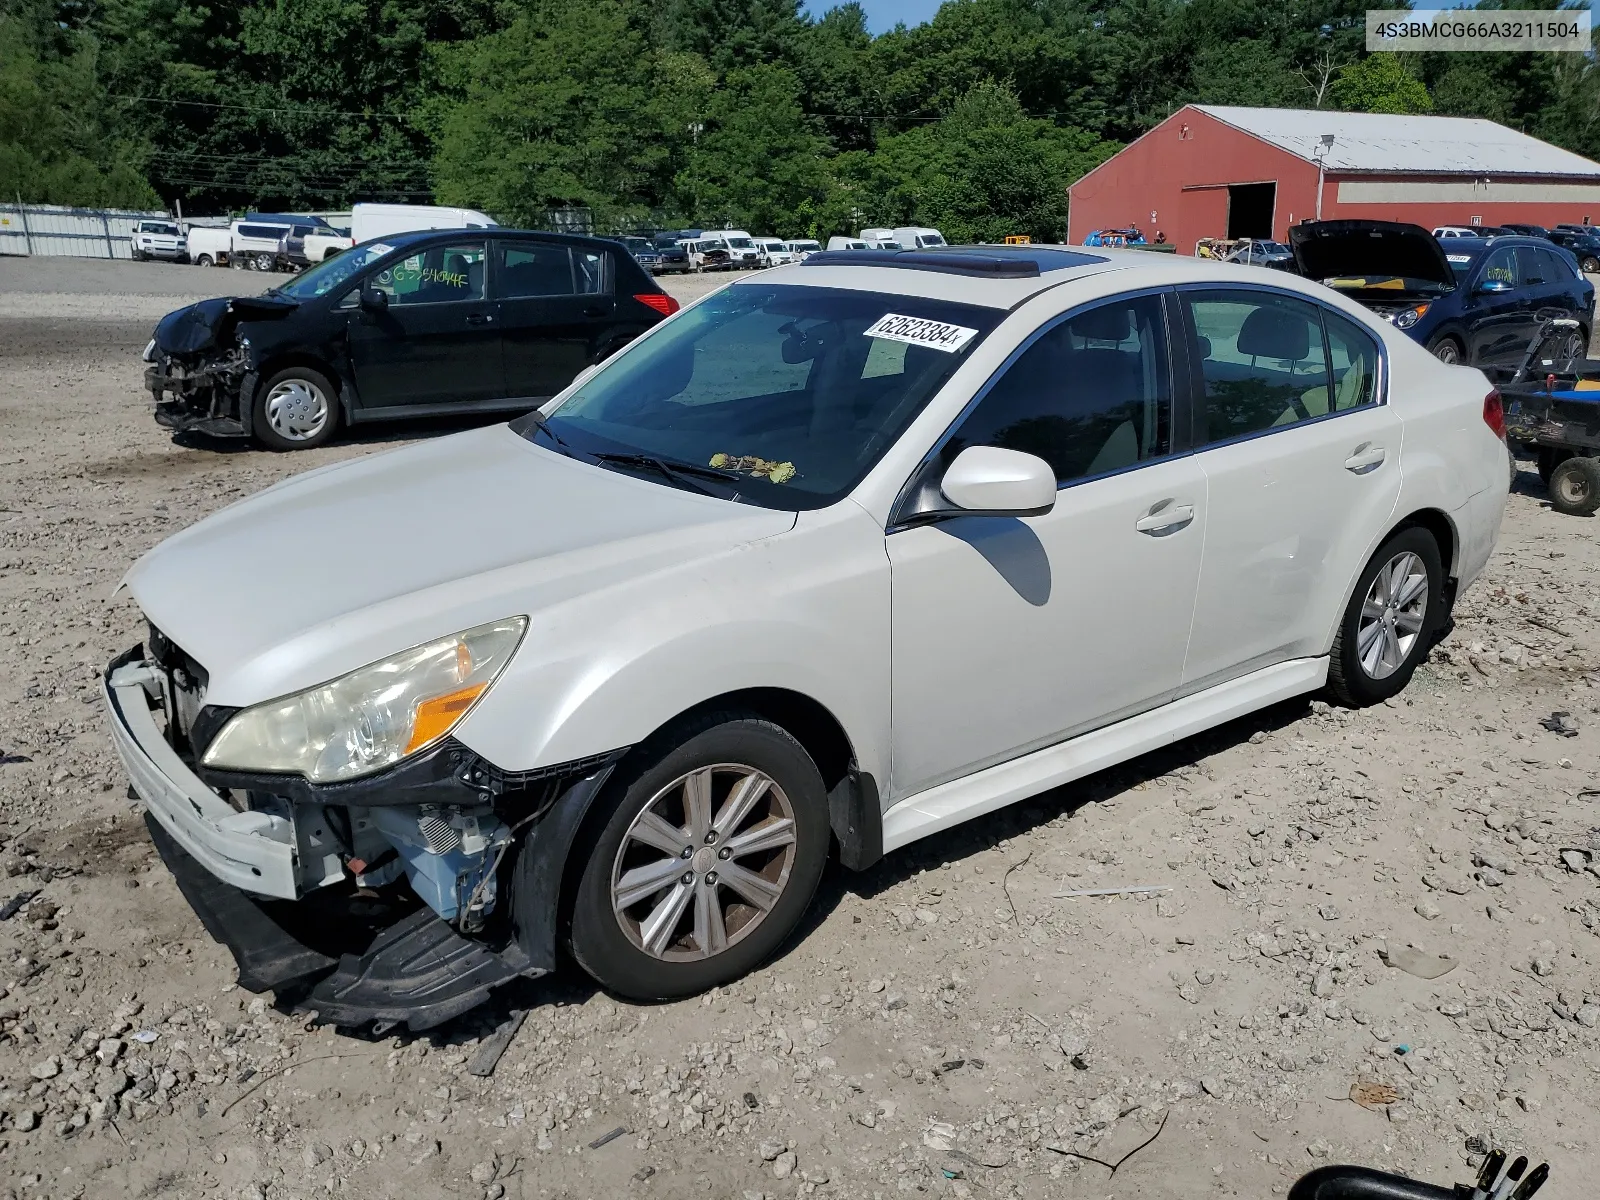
[1197, 377]
[930, 459]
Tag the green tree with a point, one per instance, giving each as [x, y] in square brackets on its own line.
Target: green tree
[758, 162]
[1380, 83]
[557, 110]
[61, 138]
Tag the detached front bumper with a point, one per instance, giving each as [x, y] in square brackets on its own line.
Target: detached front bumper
[252, 851]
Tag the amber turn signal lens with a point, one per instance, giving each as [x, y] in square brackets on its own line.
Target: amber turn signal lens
[435, 717]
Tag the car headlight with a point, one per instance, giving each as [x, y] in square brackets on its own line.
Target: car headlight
[1407, 317]
[149, 354]
[373, 717]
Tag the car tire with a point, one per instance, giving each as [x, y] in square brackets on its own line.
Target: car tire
[1448, 349]
[265, 262]
[1511, 456]
[295, 409]
[205, 260]
[1388, 623]
[237, 262]
[719, 930]
[1590, 265]
[1575, 486]
[136, 255]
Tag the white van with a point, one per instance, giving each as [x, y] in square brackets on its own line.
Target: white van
[849, 243]
[209, 245]
[258, 245]
[368, 221]
[879, 238]
[801, 248]
[743, 253]
[916, 237]
[774, 253]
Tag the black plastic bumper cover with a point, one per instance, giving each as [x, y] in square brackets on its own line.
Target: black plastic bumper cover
[418, 971]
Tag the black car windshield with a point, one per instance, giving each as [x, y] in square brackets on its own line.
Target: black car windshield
[330, 273]
[782, 396]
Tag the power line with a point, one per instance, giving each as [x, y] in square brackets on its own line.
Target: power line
[252, 108]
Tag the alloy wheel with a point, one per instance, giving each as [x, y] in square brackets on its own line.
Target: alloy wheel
[704, 862]
[297, 410]
[1447, 352]
[1392, 615]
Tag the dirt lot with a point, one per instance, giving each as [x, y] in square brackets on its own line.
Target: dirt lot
[950, 1023]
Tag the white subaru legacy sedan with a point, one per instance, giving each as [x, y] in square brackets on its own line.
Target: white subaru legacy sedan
[835, 558]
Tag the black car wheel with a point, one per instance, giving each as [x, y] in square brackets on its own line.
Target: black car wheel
[1575, 487]
[1574, 349]
[704, 858]
[1389, 621]
[1590, 264]
[1447, 350]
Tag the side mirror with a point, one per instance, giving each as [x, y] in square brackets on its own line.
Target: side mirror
[374, 301]
[994, 482]
[1492, 287]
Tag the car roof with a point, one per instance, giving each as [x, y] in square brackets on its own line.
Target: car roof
[414, 237]
[875, 271]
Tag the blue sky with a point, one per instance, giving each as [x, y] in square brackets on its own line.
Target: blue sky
[884, 14]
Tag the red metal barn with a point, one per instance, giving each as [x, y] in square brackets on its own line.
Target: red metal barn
[1213, 171]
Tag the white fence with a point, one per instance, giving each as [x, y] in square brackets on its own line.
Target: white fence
[50, 229]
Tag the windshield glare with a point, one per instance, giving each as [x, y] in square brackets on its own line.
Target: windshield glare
[779, 388]
[332, 272]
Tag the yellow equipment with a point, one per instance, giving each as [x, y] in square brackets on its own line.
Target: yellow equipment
[1019, 239]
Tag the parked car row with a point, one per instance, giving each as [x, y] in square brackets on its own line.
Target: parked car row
[612, 682]
[737, 250]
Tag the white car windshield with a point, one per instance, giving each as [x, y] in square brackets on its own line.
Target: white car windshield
[169, 230]
[330, 273]
[778, 396]
[741, 243]
[929, 239]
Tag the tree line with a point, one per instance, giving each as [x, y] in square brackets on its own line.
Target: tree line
[659, 113]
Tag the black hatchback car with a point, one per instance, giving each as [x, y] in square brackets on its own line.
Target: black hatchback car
[417, 324]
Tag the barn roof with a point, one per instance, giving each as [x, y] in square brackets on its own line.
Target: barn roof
[1379, 142]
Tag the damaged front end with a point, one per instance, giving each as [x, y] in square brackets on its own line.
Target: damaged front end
[403, 897]
[201, 368]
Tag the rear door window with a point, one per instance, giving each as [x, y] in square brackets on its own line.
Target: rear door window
[530, 269]
[1261, 360]
[1353, 361]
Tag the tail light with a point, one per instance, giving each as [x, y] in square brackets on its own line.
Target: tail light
[662, 303]
[1494, 413]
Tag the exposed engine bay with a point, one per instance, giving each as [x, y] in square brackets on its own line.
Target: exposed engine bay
[202, 370]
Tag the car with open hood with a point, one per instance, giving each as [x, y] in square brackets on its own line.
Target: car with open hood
[1469, 300]
[838, 557]
[417, 324]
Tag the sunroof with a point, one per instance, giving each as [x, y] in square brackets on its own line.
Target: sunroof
[994, 262]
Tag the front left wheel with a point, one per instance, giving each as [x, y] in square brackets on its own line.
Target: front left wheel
[706, 861]
[295, 409]
[1389, 621]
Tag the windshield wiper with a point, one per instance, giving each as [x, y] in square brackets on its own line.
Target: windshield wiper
[677, 472]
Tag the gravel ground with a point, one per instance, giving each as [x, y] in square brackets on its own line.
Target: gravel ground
[951, 1023]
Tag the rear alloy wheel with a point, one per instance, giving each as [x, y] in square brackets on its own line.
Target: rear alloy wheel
[1389, 621]
[205, 260]
[1575, 486]
[1573, 351]
[708, 857]
[1448, 350]
[264, 261]
[1590, 265]
[295, 410]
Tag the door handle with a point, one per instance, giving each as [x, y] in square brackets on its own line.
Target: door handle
[1165, 518]
[479, 318]
[1365, 458]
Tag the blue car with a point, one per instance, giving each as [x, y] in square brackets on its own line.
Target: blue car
[1472, 300]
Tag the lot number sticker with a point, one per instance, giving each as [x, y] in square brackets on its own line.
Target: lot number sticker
[935, 335]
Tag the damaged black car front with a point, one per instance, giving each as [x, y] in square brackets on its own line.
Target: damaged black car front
[202, 367]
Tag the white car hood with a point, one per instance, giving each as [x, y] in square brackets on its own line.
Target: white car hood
[345, 565]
